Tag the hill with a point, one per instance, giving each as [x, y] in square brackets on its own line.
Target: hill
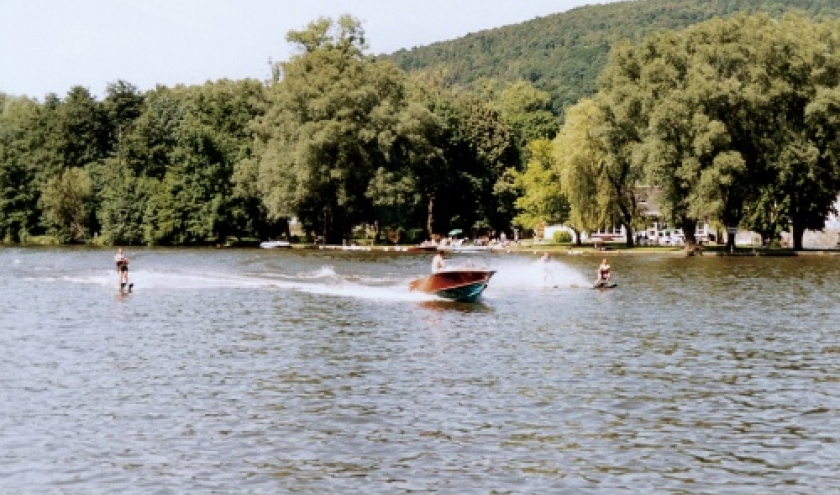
[564, 53]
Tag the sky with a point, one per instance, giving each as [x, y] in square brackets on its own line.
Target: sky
[49, 46]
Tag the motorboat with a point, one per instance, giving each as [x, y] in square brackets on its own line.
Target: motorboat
[275, 244]
[458, 285]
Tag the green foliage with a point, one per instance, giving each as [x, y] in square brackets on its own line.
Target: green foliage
[733, 121]
[64, 202]
[527, 111]
[562, 237]
[581, 155]
[541, 199]
[563, 54]
[123, 199]
[715, 117]
[84, 127]
[350, 140]
[334, 118]
[18, 188]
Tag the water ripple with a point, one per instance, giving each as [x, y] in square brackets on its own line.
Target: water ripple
[265, 372]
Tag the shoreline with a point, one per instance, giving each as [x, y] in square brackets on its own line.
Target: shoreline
[526, 249]
[564, 250]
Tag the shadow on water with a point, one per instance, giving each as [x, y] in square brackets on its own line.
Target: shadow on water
[477, 307]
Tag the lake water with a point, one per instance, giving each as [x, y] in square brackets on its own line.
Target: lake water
[255, 371]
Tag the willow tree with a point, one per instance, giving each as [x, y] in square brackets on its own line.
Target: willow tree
[720, 122]
[334, 120]
[804, 169]
[590, 180]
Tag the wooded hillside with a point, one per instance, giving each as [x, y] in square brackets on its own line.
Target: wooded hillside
[564, 53]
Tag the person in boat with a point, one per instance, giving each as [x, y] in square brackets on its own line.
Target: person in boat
[122, 267]
[437, 262]
[603, 273]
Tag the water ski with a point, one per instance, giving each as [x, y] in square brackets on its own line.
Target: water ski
[605, 285]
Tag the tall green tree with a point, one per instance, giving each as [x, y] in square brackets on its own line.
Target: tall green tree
[581, 156]
[122, 105]
[30, 153]
[479, 148]
[65, 204]
[542, 198]
[334, 122]
[148, 143]
[196, 202]
[84, 123]
[527, 111]
[715, 117]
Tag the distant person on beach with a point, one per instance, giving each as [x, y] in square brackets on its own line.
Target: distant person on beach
[603, 273]
[437, 262]
[122, 267]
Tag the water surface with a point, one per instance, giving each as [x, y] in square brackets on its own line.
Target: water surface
[255, 371]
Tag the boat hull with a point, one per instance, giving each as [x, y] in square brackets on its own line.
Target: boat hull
[421, 249]
[275, 244]
[457, 285]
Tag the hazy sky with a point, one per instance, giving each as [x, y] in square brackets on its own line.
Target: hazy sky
[51, 45]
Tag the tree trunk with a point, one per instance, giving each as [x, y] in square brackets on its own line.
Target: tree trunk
[730, 242]
[578, 240]
[628, 229]
[430, 218]
[798, 234]
[689, 227]
[287, 229]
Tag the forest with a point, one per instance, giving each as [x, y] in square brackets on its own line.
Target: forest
[734, 121]
[564, 53]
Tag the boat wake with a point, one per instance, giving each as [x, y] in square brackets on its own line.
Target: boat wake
[511, 275]
[324, 281]
[536, 275]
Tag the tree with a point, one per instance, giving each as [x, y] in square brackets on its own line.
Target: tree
[542, 198]
[196, 202]
[64, 202]
[580, 157]
[29, 155]
[147, 144]
[122, 199]
[122, 105]
[479, 148]
[527, 111]
[335, 120]
[84, 124]
[715, 117]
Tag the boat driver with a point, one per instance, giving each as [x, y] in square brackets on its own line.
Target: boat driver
[437, 262]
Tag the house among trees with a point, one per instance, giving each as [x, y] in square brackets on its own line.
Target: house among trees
[659, 232]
